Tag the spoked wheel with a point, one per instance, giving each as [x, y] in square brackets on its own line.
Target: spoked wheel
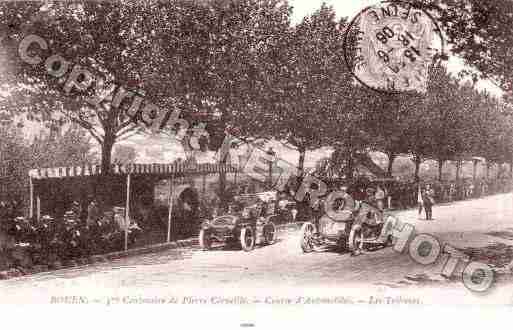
[269, 233]
[307, 237]
[205, 239]
[247, 239]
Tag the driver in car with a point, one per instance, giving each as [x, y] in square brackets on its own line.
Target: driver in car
[236, 205]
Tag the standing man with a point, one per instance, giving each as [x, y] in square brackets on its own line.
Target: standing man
[93, 213]
[429, 201]
[215, 204]
[452, 192]
[380, 198]
[390, 192]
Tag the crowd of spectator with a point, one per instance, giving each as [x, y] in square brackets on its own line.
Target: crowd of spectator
[386, 194]
[10, 208]
[51, 241]
[402, 195]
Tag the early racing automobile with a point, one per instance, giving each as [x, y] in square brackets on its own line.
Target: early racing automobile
[248, 223]
[347, 226]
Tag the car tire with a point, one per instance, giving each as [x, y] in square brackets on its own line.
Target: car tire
[247, 239]
[306, 237]
[205, 239]
[269, 233]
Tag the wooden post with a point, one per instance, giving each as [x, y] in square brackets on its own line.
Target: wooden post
[31, 211]
[38, 206]
[170, 208]
[474, 169]
[204, 185]
[127, 210]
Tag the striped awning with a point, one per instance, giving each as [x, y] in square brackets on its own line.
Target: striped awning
[150, 169]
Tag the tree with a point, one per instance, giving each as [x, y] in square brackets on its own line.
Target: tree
[54, 146]
[312, 85]
[390, 117]
[98, 36]
[413, 130]
[61, 147]
[14, 162]
[449, 128]
[215, 62]
[479, 31]
[209, 58]
[494, 131]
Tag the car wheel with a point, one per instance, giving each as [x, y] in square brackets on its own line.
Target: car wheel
[247, 239]
[269, 233]
[307, 233]
[205, 239]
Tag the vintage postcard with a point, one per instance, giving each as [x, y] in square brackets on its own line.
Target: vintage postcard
[256, 154]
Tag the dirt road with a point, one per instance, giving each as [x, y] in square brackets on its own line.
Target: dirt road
[482, 228]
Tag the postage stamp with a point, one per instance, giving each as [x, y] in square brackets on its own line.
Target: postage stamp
[395, 43]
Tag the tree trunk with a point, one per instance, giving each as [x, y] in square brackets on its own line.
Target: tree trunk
[511, 169]
[301, 162]
[223, 198]
[440, 168]
[458, 168]
[499, 171]
[107, 147]
[417, 161]
[270, 174]
[350, 167]
[488, 170]
[365, 160]
[474, 169]
[103, 188]
[391, 158]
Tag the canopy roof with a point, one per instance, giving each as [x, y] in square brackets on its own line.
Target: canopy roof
[149, 169]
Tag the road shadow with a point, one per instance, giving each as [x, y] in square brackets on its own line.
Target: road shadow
[497, 254]
[504, 234]
[108, 266]
[235, 246]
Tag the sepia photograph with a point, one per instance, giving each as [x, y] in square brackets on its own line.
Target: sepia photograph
[256, 154]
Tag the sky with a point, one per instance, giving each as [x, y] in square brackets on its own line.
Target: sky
[347, 8]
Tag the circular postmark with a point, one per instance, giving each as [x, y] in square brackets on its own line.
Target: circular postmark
[389, 46]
